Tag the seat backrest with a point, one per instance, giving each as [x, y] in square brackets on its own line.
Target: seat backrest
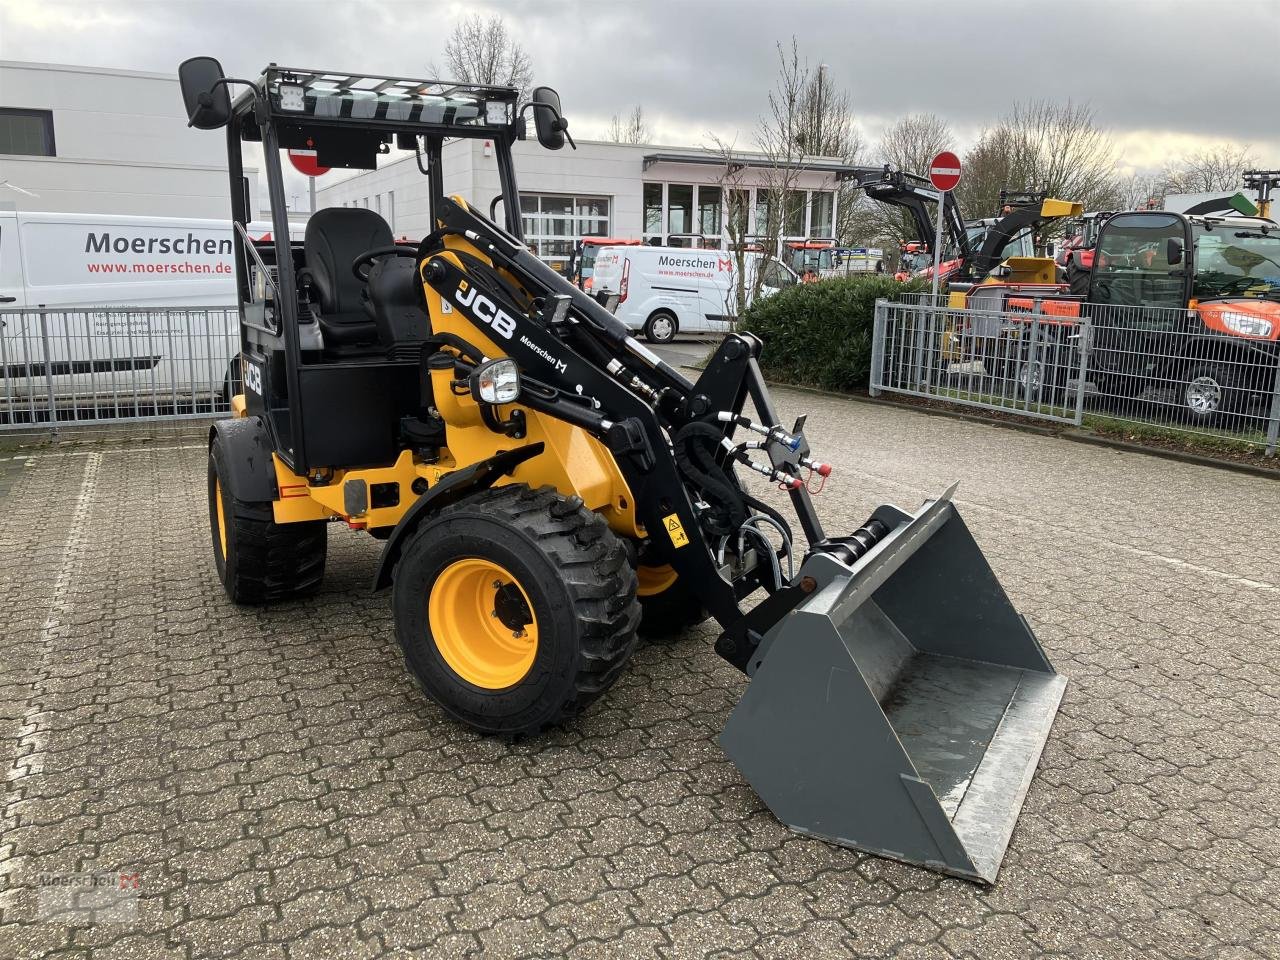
[335, 237]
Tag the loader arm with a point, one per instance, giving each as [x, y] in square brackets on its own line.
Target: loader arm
[1031, 214]
[589, 371]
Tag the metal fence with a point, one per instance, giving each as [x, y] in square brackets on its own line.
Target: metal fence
[1169, 374]
[115, 366]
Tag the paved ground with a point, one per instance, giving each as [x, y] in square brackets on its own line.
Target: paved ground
[282, 790]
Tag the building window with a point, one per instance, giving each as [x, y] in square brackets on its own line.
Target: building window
[738, 214]
[793, 221]
[391, 210]
[27, 133]
[377, 204]
[652, 210]
[821, 221]
[709, 211]
[553, 223]
[679, 208]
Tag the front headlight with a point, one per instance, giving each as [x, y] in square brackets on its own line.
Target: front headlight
[497, 381]
[1246, 325]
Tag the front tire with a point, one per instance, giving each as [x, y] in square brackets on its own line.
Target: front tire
[259, 560]
[515, 608]
[661, 327]
[1204, 394]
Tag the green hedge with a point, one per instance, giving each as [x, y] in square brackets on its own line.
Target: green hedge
[819, 334]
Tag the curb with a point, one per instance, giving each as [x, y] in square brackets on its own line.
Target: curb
[1081, 436]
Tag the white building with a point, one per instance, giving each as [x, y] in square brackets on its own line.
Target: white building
[624, 191]
[92, 140]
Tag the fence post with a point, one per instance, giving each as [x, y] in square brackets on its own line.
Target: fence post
[1273, 422]
[878, 327]
[1086, 335]
[48, 369]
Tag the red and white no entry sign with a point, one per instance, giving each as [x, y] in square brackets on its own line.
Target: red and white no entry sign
[944, 171]
[305, 161]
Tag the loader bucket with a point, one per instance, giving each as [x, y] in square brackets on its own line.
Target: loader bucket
[901, 708]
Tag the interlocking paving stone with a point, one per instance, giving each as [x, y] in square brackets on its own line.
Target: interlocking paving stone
[285, 791]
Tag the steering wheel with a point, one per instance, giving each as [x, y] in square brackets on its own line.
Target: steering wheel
[362, 264]
[1238, 285]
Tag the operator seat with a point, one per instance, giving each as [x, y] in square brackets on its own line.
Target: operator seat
[335, 237]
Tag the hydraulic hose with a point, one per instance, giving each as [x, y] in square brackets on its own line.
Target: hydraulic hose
[695, 446]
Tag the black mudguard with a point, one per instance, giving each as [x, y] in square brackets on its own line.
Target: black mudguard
[250, 473]
[451, 488]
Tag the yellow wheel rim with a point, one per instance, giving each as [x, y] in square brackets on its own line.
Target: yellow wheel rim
[654, 580]
[222, 517]
[482, 623]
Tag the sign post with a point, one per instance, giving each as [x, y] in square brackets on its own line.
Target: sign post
[944, 174]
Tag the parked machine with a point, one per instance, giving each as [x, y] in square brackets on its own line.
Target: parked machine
[582, 262]
[811, 259]
[546, 486]
[1189, 301]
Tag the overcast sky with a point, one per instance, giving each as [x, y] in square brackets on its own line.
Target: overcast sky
[1165, 77]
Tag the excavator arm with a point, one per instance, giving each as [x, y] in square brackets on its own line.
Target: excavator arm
[914, 194]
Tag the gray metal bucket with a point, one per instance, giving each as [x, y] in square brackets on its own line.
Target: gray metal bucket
[902, 707]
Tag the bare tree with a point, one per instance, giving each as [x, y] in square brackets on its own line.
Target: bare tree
[824, 121]
[634, 129]
[908, 145]
[1215, 168]
[779, 137]
[1142, 190]
[482, 50]
[1041, 145]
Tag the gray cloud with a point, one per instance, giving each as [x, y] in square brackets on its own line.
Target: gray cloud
[1189, 68]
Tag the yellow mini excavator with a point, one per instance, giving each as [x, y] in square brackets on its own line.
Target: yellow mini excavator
[547, 489]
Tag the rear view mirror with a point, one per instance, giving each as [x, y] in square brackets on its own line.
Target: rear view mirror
[1173, 251]
[206, 97]
[551, 126]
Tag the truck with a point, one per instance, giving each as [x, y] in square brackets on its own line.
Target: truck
[663, 291]
[97, 306]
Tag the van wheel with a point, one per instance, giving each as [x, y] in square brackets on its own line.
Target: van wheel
[661, 327]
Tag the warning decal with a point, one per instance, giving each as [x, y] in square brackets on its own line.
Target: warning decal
[675, 531]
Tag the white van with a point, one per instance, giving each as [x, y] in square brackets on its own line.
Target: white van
[663, 291]
[135, 307]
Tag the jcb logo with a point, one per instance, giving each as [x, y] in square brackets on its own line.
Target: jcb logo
[253, 378]
[502, 322]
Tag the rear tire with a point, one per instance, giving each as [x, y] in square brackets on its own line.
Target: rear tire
[661, 327]
[515, 608]
[668, 612]
[259, 560]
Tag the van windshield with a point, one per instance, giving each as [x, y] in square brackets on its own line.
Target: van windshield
[1236, 262]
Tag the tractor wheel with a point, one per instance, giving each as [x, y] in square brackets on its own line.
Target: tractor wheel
[1205, 394]
[668, 609]
[515, 608]
[259, 560]
[661, 327]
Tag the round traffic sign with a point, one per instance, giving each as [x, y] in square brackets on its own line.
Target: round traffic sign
[944, 171]
[305, 162]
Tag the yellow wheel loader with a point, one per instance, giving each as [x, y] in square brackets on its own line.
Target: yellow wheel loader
[547, 488]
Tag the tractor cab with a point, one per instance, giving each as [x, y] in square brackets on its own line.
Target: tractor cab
[812, 259]
[333, 327]
[582, 262]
